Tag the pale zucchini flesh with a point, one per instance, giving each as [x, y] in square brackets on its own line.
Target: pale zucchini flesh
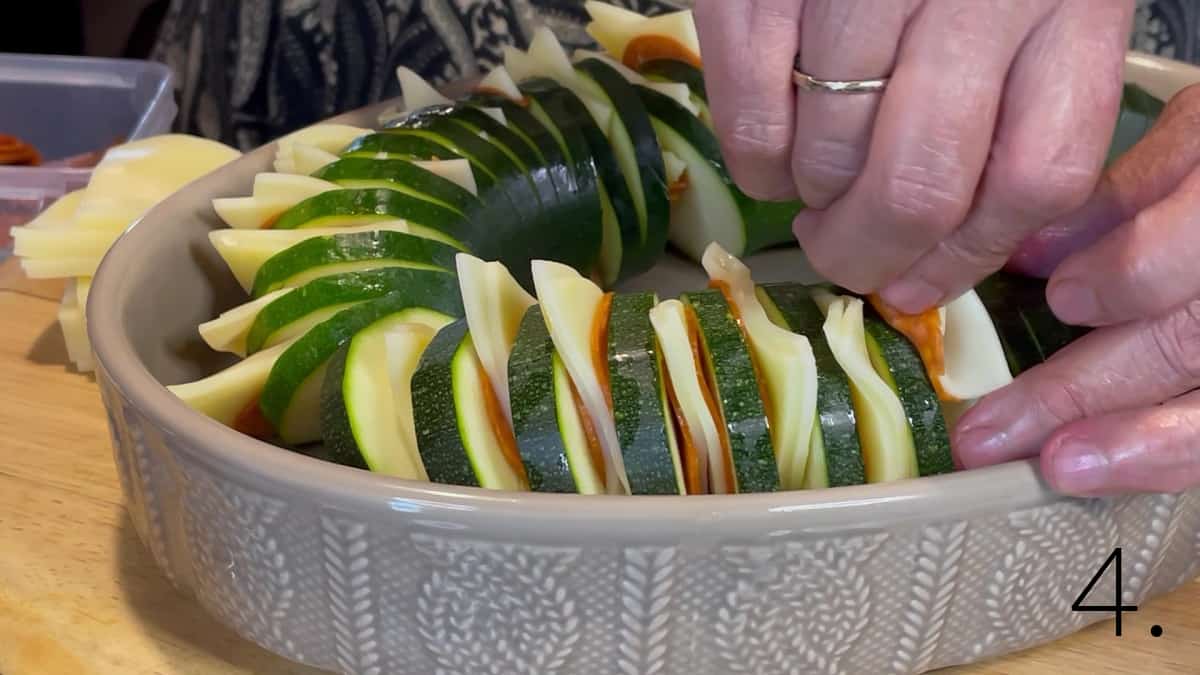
[492, 468]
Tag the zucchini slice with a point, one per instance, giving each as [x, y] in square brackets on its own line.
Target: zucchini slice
[291, 397]
[652, 462]
[245, 251]
[713, 208]
[729, 370]
[784, 366]
[1024, 320]
[887, 442]
[536, 425]
[297, 311]
[402, 175]
[460, 432]
[584, 456]
[835, 457]
[360, 207]
[494, 304]
[274, 194]
[676, 70]
[350, 252]
[366, 398]
[576, 313]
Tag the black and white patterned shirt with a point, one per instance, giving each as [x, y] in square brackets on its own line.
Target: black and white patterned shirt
[248, 71]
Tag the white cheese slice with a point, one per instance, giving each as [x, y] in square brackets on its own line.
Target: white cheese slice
[785, 361]
[226, 393]
[417, 92]
[494, 304]
[227, 332]
[674, 165]
[302, 158]
[60, 214]
[244, 251]
[501, 82]
[454, 170]
[59, 267]
[332, 138]
[61, 242]
[74, 328]
[569, 303]
[613, 28]
[670, 322]
[273, 194]
[887, 443]
[974, 358]
[519, 64]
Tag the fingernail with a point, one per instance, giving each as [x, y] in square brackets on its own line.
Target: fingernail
[911, 296]
[1073, 301]
[1077, 467]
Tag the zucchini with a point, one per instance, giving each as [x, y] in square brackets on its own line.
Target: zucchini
[456, 418]
[361, 207]
[835, 457]
[302, 308]
[366, 398]
[652, 462]
[675, 70]
[584, 457]
[402, 175]
[713, 208]
[898, 363]
[1017, 305]
[531, 374]
[727, 365]
[291, 397]
[635, 145]
[355, 252]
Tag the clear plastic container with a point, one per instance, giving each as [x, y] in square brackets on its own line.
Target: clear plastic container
[68, 106]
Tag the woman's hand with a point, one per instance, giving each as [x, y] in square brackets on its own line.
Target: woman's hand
[997, 120]
[1119, 409]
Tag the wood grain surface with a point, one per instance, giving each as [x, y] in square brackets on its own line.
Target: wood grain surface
[79, 595]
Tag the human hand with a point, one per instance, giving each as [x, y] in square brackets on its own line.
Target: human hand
[1118, 410]
[997, 119]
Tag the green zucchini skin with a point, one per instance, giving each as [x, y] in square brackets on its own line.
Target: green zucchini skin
[674, 70]
[1024, 319]
[435, 410]
[839, 430]
[765, 224]
[535, 422]
[381, 204]
[727, 359]
[350, 247]
[313, 349]
[424, 288]
[420, 181]
[636, 385]
[407, 146]
[906, 374]
[652, 174]
[336, 429]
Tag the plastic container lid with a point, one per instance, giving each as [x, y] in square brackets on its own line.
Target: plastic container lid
[66, 106]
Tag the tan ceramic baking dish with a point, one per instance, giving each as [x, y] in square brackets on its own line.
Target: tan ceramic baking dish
[356, 573]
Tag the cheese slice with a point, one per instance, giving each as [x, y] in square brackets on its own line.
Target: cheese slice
[613, 28]
[887, 443]
[569, 304]
[417, 92]
[671, 326]
[974, 357]
[785, 364]
[244, 251]
[273, 194]
[675, 166]
[549, 59]
[227, 332]
[60, 267]
[302, 158]
[499, 81]
[61, 242]
[60, 214]
[494, 304]
[332, 138]
[227, 393]
[454, 170]
[519, 64]
[74, 328]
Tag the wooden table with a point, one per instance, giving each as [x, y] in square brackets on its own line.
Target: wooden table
[79, 595]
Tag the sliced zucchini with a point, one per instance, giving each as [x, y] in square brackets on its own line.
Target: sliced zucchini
[245, 251]
[639, 154]
[1024, 319]
[366, 398]
[459, 431]
[887, 442]
[536, 427]
[584, 456]
[360, 207]
[652, 463]
[291, 397]
[274, 194]
[382, 145]
[729, 369]
[298, 310]
[676, 70]
[784, 365]
[457, 171]
[713, 208]
[835, 457]
[575, 311]
[494, 304]
[353, 252]
[230, 396]
[227, 332]
[402, 175]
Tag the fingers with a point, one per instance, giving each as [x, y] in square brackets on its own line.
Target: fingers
[930, 141]
[1052, 138]
[1141, 269]
[1149, 450]
[749, 51]
[1149, 172]
[1109, 370]
[841, 40]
